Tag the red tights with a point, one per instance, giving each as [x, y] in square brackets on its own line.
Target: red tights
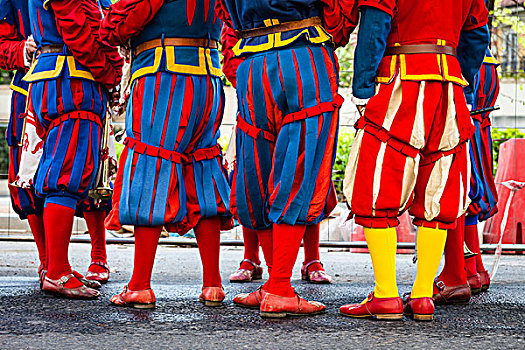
[97, 232]
[207, 233]
[146, 241]
[58, 223]
[454, 272]
[474, 264]
[36, 223]
[311, 247]
[286, 243]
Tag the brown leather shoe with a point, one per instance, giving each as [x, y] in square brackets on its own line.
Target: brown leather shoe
[485, 280]
[451, 294]
[138, 299]
[250, 300]
[315, 276]
[101, 277]
[246, 275]
[212, 296]
[276, 306]
[474, 282]
[57, 287]
[86, 282]
[379, 308]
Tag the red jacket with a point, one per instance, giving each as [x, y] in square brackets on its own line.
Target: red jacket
[427, 22]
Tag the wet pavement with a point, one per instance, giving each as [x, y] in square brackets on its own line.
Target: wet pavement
[30, 319]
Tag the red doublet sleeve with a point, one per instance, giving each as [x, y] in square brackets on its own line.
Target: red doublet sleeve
[78, 22]
[222, 12]
[127, 18]
[388, 6]
[478, 15]
[11, 48]
[230, 61]
[340, 19]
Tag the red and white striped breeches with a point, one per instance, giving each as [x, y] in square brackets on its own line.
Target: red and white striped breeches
[411, 152]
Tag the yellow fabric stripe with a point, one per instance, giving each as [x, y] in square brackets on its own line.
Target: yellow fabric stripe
[31, 77]
[71, 63]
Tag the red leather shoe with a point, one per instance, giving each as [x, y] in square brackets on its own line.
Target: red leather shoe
[379, 308]
[276, 306]
[451, 294]
[474, 282]
[138, 299]
[246, 275]
[57, 287]
[251, 300]
[101, 277]
[212, 296]
[485, 280]
[420, 309]
[86, 282]
[315, 276]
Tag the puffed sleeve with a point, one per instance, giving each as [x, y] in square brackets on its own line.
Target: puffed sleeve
[11, 48]
[388, 6]
[340, 18]
[478, 15]
[230, 62]
[127, 18]
[11, 45]
[78, 22]
[222, 12]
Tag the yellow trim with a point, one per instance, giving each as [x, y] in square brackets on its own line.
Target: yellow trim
[490, 60]
[149, 70]
[73, 72]
[213, 71]
[393, 61]
[451, 78]
[30, 76]
[406, 76]
[184, 68]
[18, 89]
[46, 3]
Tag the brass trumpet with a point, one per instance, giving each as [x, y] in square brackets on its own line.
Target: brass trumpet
[102, 189]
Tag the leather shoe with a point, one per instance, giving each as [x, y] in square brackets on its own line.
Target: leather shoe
[212, 296]
[276, 306]
[451, 294]
[58, 287]
[247, 275]
[138, 299]
[485, 280]
[474, 282]
[250, 300]
[420, 309]
[101, 277]
[86, 282]
[315, 276]
[372, 307]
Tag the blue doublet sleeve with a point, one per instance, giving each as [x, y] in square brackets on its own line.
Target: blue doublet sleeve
[374, 27]
[471, 51]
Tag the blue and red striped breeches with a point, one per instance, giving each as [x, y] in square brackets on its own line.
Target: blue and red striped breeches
[286, 136]
[69, 113]
[483, 189]
[171, 171]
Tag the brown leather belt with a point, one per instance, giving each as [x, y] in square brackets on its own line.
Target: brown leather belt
[50, 49]
[415, 49]
[192, 42]
[282, 27]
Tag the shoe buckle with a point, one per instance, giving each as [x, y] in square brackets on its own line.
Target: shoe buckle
[370, 296]
[63, 280]
[440, 285]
